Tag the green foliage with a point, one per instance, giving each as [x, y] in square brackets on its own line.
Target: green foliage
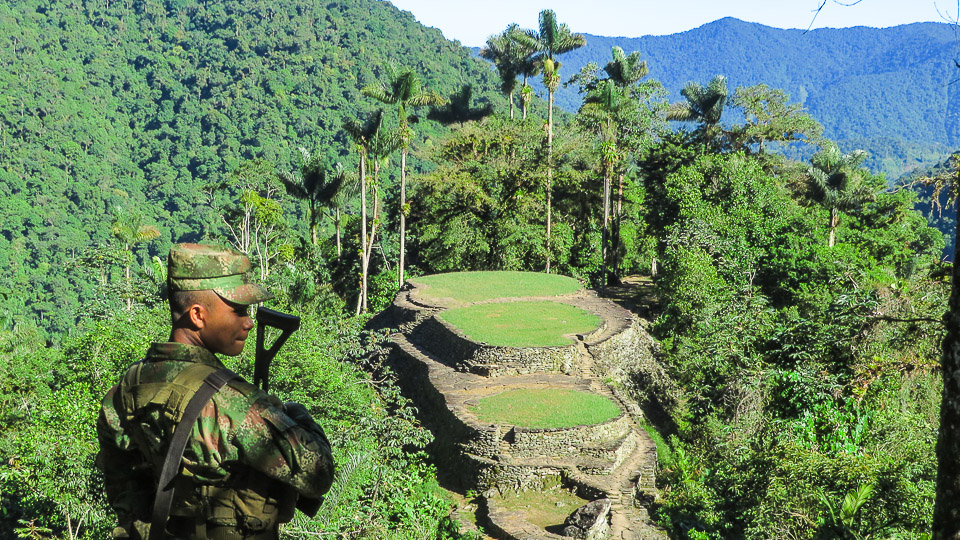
[482, 207]
[792, 355]
[769, 119]
[142, 105]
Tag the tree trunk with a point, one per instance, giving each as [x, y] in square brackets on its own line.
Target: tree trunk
[523, 98]
[605, 237]
[368, 248]
[834, 220]
[403, 216]
[313, 223]
[549, 170]
[361, 301]
[511, 105]
[617, 216]
[946, 508]
[127, 272]
[337, 225]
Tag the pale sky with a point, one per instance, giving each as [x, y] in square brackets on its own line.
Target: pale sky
[472, 22]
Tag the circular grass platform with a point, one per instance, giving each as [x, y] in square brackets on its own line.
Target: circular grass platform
[546, 408]
[466, 287]
[522, 324]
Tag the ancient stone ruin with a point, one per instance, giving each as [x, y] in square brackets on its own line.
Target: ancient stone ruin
[446, 374]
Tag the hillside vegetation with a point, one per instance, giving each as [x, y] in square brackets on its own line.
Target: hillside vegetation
[800, 301]
[140, 111]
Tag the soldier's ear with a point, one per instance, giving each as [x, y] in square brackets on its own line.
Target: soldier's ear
[197, 313]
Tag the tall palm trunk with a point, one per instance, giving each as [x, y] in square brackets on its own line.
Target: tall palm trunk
[403, 212]
[126, 271]
[337, 225]
[605, 239]
[313, 223]
[617, 216]
[368, 248]
[834, 221]
[362, 299]
[549, 170]
[524, 96]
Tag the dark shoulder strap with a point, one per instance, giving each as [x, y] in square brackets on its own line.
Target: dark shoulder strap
[171, 464]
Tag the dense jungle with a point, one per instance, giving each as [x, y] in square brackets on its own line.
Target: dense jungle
[344, 147]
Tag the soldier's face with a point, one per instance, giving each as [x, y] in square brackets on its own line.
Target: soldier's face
[226, 327]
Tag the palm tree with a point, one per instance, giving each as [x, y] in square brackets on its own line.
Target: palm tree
[524, 55]
[319, 185]
[362, 134]
[838, 183]
[551, 41]
[406, 92]
[604, 109]
[625, 71]
[704, 105]
[129, 229]
[504, 51]
[457, 109]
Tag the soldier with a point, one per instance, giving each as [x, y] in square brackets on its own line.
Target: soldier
[249, 459]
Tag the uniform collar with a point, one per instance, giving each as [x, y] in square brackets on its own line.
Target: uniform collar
[180, 352]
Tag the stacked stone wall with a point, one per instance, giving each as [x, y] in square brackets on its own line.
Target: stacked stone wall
[502, 477]
[459, 352]
[530, 442]
[446, 374]
[631, 358]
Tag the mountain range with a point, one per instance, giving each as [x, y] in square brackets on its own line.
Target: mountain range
[891, 91]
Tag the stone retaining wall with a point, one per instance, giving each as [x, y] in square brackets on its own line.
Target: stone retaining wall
[456, 350]
[630, 357]
[529, 442]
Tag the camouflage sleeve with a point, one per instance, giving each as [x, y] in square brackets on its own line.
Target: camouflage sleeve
[127, 479]
[268, 440]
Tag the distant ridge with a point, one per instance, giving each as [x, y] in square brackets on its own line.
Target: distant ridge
[886, 90]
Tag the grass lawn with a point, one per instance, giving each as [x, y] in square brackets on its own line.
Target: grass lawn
[464, 287]
[521, 324]
[547, 408]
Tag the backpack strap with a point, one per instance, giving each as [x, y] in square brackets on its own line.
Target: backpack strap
[171, 464]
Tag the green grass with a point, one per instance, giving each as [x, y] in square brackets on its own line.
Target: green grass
[546, 408]
[521, 324]
[464, 287]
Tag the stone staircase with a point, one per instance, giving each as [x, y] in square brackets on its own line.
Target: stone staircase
[614, 460]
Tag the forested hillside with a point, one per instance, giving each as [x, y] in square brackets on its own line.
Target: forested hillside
[889, 91]
[798, 304]
[131, 113]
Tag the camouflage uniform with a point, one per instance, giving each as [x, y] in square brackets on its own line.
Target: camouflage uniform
[249, 457]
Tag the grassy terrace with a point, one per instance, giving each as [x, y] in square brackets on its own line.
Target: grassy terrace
[548, 408]
[466, 287]
[522, 324]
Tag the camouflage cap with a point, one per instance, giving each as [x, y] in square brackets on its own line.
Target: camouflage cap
[225, 271]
